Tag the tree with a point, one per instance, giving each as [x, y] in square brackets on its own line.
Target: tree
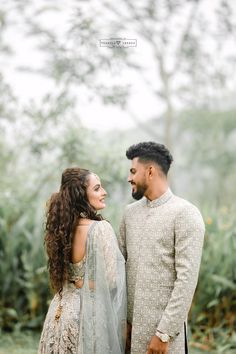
[188, 43]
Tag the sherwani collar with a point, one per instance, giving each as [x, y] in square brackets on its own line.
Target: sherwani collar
[159, 201]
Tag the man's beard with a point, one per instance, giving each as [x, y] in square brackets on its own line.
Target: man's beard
[139, 192]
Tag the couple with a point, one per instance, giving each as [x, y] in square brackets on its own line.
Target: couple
[161, 237]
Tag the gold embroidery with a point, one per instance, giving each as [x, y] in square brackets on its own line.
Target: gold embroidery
[58, 312]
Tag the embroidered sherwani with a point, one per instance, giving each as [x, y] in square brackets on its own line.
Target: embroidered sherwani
[161, 241]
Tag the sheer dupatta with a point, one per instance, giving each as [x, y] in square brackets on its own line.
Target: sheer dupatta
[103, 316]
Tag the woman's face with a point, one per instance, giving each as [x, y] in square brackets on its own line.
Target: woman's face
[95, 193]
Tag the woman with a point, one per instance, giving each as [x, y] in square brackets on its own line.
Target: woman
[88, 312]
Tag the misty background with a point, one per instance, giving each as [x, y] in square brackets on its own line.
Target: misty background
[65, 101]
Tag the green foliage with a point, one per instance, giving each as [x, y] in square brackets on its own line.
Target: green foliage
[23, 273]
[214, 308]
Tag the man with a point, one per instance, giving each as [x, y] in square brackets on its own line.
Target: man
[161, 238]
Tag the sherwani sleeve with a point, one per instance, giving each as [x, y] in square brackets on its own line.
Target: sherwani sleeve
[122, 237]
[189, 236]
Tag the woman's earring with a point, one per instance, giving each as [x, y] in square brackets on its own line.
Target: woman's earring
[83, 215]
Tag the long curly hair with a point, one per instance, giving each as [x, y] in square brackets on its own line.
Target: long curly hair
[63, 214]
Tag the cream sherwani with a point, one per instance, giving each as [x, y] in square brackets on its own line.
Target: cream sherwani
[161, 241]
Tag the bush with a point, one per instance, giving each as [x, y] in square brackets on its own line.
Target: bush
[24, 281]
[212, 316]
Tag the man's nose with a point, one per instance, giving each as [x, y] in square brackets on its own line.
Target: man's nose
[104, 192]
[129, 179]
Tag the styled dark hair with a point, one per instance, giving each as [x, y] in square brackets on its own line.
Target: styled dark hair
[63, 213]
[150, 151]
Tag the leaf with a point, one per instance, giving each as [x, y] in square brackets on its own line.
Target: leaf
[224, 281]
[10, 312]
[213, 303]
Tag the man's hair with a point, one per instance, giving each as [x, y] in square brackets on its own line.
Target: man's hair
[150, 151]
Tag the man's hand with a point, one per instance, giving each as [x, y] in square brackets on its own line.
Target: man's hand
[156, 346]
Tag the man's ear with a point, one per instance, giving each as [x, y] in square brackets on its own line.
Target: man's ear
[151, 171]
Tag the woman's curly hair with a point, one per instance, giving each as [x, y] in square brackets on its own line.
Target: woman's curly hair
[63, 214]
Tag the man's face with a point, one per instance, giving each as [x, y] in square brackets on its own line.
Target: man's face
[137, 178]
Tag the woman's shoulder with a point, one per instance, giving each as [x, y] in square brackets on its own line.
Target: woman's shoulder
[103, 225]
[103, 229]
[104, 235]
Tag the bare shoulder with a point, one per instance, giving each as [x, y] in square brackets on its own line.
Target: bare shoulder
[83, 228]
[79, 241]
